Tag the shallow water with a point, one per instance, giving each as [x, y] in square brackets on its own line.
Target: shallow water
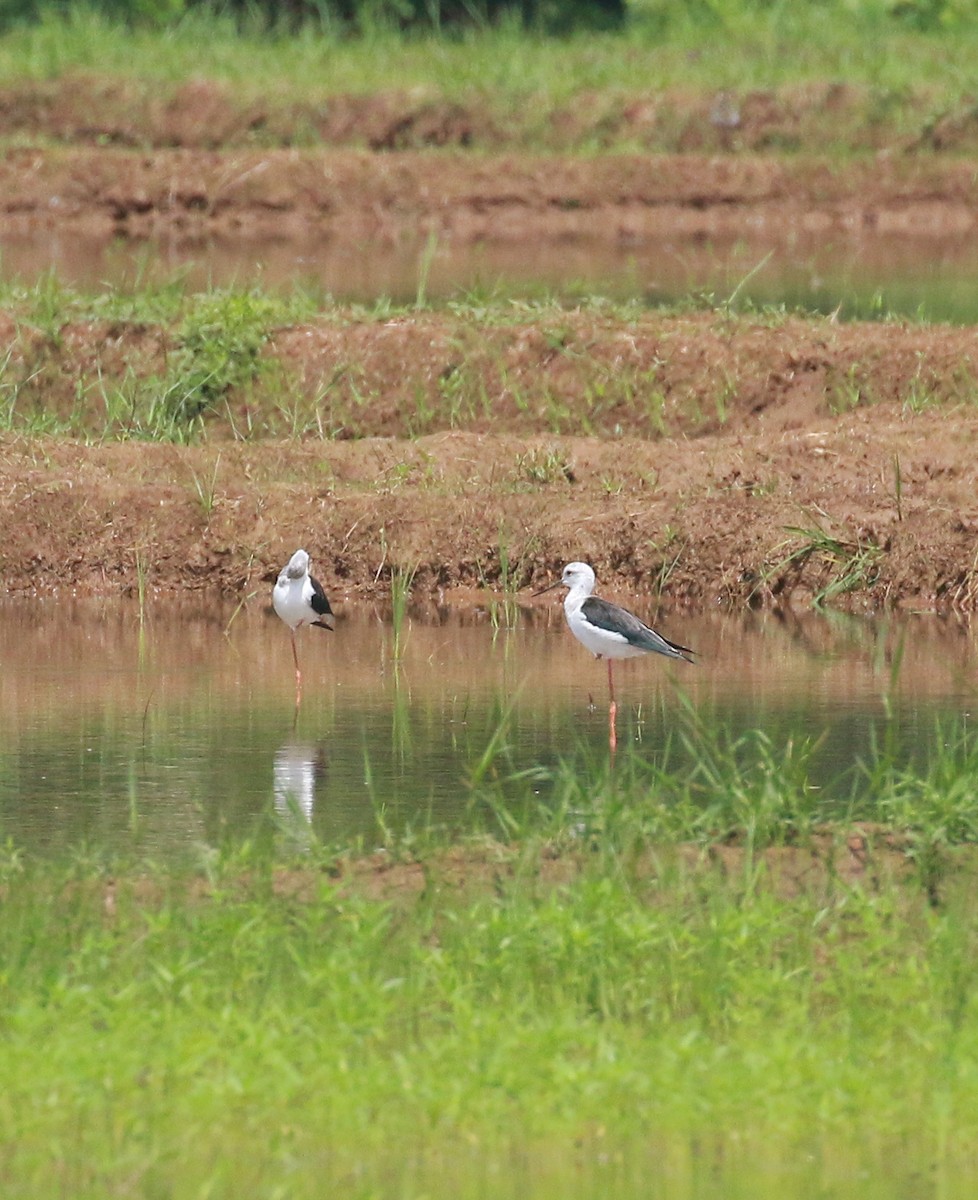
[171, 736]
[860, 274]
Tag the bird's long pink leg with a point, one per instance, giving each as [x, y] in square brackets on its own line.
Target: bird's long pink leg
[298, 673]
[612, 708]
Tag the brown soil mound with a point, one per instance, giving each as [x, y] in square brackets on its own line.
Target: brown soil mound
[867, 856]
[773, 502]
[624, 198]
[710, 458]
[199, 114]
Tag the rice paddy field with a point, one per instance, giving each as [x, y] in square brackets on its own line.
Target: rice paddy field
[693, 300]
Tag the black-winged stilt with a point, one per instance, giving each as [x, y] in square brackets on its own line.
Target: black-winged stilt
[299, 599]
[607, 630]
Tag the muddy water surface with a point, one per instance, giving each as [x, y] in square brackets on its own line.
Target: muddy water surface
[173, 735]
[860, 274]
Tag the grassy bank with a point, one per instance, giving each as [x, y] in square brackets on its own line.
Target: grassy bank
[688, 47]
[160, 1040]
[587, 92]
[430, 434]
[170, 364]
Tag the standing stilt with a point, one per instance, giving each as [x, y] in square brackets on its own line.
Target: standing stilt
[609, 631]
[299, 599]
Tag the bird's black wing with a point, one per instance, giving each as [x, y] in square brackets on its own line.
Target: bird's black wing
[619, 620]
[320, 605]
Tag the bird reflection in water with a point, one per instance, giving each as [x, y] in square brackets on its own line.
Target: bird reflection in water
[299, 768]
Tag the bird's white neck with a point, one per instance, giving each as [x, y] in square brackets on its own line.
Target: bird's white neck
[576, 597]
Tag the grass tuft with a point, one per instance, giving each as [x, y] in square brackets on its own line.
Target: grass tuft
[851, 565]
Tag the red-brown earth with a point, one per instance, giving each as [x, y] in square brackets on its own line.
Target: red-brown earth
[710, 457]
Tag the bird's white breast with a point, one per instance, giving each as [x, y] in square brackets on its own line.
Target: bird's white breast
[604, 642]
[290, 601]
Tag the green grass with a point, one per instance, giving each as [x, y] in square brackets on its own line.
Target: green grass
[508, 568]
[508, 62]
[251, 1044]
[205, 491]
[711, 784]
[850, 565]
[207, 345]
[168, 363]
[401, 582]
[606, 989]
[905, 79]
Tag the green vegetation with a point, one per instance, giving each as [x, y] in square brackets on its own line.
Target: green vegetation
[165, 363]
[629, 975]
[349, 17]
[713, 785]
[897, 68]
[185, 354]
[508, 570]
[401, 579]
[849, 564]
[205, 489]
[542, 467]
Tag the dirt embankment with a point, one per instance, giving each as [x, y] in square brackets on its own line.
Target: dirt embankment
[725, 461]
[88, 109]
[299, 194]
[710, 458]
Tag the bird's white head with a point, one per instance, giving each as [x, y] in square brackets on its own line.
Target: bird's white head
[298, 565]
[579, 577]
